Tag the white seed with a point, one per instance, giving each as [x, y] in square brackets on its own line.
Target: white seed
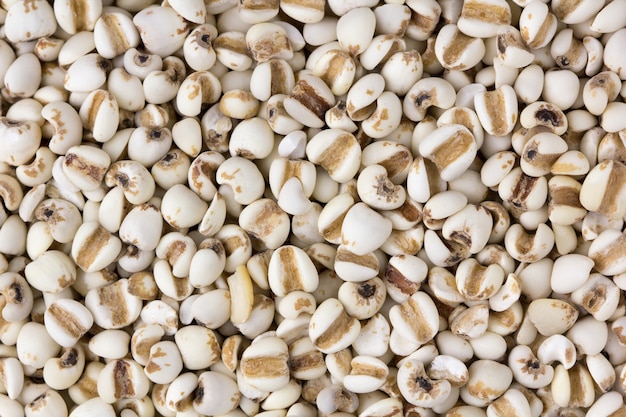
[243, 177]
[425, 93]
[386, 118]
[25, 21]
[256, 358]
[487, 381]
[11, 376]
[110, 344]
[573, 387]
[557, 348]
[573, 266]
[34, 345]
[353, 41]
[552, 316]
[601, 371]
[305, 12]
[52, 271]
[164, 363]
[417, 318]
[150, 31]
[424, 18]
[610, 18]
[19, 142]
[470, 322]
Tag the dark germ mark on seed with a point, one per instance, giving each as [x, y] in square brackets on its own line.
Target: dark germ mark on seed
[104, 64]
[422, 98]
[367, 290]
[70, 359]
[531, 154]
[424, 384]
[169, 157]
[123, 180]
[16, 293]
[547, 116]
[501, 44]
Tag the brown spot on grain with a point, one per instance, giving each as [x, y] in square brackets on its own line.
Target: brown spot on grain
[307, 95]
[496, 109]
[97, 100]
[414, 317]
[92, 246]
[523, 187]
[291, 278]
[490, 13]
[112, 297]
[335, 331]
[359, 368]
[564, 8]
[368, 261]
[457, 46]
[337, 66]
[94, 172]
[67, 321]
[503, 407]
[302, 303]
[269, 47]
[425, 23]
[452, 149]
[113, 29]
[611, 198]
[335, 155]
[399, 281]
[152, 367]
[265, 367]
[564, 196]
[122, 379]
[577, 376]
[480, 390]
[541, 34]
[308, 360]
[232, 43]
